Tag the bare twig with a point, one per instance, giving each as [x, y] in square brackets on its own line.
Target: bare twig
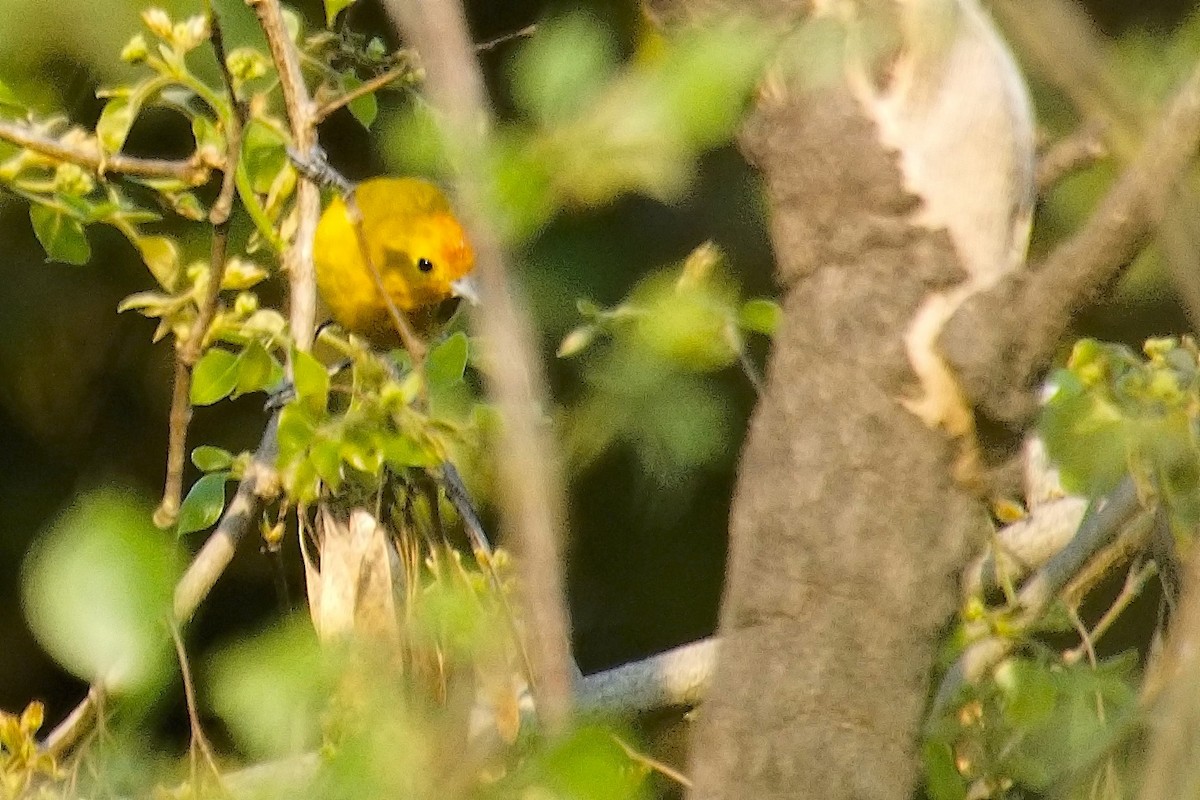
[653, 763]
[193, 171]
[366, 87]
[1078, 151]
[1135, 581]
[530, 494]
[301, 113]
[199, 740]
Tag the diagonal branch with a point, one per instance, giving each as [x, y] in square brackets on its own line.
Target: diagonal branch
[1002, 341]
[530, 487]
[193, 171]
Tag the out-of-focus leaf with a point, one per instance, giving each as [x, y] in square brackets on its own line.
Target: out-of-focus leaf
[61, 236]
[942, 778]
[760, 316]
[115, 121]
[214, 377]
[8, 99]
[401, 451]
[577, 340]
[1028, 691]
[161, 256]
[588, 764]
[564, 66]
[204, 503]
[97, 590]
[271, 691]
[264, 154]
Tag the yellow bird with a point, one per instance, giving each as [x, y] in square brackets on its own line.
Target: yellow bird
[415, 243]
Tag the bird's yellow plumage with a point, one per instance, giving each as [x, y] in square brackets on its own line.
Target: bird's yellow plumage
[415, 242]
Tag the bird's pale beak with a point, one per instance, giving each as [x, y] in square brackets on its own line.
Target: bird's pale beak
[466, 289]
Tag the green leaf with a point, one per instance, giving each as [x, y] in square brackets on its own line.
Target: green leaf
[311, 380]
[943, 781]
[365, 108]
[97, 590]
[708, 78]
[1028, 691]
[587, 764]
[564, 67]
[326, 457]
[760, 316]
[401, 451]
[362, 453]
[297, 429]
[333, 8]
[116, 119]
[1085, 435]
[446, 362]
[264, 154]
[210, 459]
[214, 377]
[61, 236]
[161, 256]
[257, 370]
[204, 503]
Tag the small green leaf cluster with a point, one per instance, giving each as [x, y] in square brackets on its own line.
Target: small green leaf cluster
[1037, 725]
[371, 419]
[647, 384]
[22, 761]
[1111, 412]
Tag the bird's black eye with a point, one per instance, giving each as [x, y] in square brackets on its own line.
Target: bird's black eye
[424, 264]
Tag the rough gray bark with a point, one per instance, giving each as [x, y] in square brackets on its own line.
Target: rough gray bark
[847, 532]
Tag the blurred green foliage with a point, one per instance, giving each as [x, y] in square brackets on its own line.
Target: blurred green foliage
[354, 423]
[97, 591]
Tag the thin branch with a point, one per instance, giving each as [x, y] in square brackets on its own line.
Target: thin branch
[301, 112]
[188, 352]
[363, 89]
[1101, 528]
[1001, 341]
[193, 171]
[1135, 581]
[505, 38]
[653, 763]
[1170, 694]
[678, 677]
[405, 70]
[199, 740]
[530, 486]
[1076, 152]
